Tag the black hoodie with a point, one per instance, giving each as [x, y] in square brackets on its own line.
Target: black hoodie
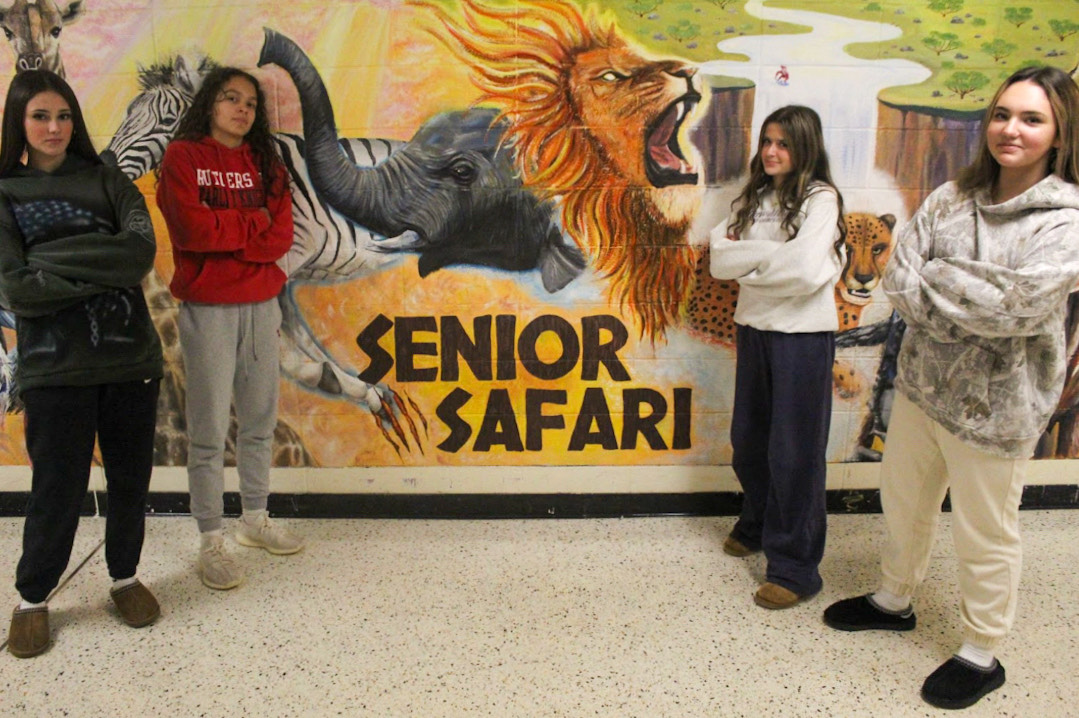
[74, 245]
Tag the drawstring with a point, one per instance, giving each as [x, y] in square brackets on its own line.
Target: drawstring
[254, 345]
[247, 328]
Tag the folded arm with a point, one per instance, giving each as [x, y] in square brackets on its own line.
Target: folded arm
[113, 260]
[194, 227]
[272, 244]
[954, 297]
[808, 260]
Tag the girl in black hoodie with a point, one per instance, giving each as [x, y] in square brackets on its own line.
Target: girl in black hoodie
[75, 241]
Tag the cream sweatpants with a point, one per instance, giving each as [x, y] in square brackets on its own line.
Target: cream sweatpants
[922, 460]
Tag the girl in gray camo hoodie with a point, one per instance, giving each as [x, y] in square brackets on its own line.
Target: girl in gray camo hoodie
[981, 276]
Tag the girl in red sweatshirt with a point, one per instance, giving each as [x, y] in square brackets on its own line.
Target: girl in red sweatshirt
[224, 193]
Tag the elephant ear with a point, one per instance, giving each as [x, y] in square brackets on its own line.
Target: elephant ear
[559, 262]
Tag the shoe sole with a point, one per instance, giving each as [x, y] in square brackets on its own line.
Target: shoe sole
[251, 543]
[778, 607]
[144, 622]
[852, 627]
[28, 654]
[219, 587]
[773, 606]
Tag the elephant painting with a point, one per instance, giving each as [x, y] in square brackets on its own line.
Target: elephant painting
[449, 195]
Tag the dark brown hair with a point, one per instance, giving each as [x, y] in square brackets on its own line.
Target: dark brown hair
[23, 88]
[809, 163]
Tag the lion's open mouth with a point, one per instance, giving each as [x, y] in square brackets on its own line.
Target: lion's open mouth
[664, 162]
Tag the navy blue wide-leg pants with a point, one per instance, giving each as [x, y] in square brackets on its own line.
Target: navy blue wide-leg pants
[779, 433]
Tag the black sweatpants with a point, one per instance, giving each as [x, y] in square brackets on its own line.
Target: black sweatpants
[779, 435]
[61, 425]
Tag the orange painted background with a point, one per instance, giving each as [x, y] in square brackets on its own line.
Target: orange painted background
[389, 67]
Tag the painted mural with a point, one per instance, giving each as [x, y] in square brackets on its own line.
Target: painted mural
[502, 208]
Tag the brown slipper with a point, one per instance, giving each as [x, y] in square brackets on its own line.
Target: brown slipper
[29, 632]
[774, 597]
[136, 604]
[734, 547]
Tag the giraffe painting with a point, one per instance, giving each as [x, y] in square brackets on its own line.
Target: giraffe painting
[33, 28]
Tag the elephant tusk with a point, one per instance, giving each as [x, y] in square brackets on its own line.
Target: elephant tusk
[403, 242]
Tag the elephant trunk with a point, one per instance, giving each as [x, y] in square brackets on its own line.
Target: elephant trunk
[346, 187]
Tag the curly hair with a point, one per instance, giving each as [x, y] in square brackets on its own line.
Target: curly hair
[195, 124]
[809, 164]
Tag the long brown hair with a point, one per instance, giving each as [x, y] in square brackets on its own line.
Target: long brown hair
[195, 124]
[809, 163]
[24, 87]
[1063, 97]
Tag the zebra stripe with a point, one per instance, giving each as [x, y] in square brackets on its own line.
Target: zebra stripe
[140, 141]
[151, 118]
[328, 247]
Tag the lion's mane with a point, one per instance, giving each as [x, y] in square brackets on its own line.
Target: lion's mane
[521, 59]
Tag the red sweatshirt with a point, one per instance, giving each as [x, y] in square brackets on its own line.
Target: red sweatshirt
[223, 245]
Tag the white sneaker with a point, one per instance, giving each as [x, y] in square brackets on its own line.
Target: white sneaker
[216, 568]
[266, 534]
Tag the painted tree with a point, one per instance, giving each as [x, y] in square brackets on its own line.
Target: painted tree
[1063, 28]
[1018, 15]
[964, 83]
[998, 49]
[721, 3]
[941, 42]
[946, 7]
[684, 31]
[642, 7]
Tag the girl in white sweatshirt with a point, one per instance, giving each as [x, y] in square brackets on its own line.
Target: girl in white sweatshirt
[981, 275]
[784, 245]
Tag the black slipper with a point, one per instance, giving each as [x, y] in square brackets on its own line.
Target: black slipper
[861, 614]
[958, 683]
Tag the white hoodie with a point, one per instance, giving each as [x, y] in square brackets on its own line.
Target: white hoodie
[786, 285]
[983, 289]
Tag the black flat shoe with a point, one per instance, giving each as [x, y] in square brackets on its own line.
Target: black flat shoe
[861, 614]
[958, 683]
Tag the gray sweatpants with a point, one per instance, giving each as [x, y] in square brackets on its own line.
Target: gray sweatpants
[230, 351]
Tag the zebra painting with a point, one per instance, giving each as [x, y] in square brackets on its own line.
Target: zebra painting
[166, 91]
[328, 247]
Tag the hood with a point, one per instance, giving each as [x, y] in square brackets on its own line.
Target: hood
[71, 164]
[1051, 193]
[224, 151]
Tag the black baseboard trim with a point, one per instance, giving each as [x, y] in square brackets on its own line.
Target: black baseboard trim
[520, 506]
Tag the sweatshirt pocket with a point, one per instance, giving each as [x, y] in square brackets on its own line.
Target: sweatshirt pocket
[960, 376]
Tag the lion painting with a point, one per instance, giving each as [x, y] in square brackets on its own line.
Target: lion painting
[595, 126]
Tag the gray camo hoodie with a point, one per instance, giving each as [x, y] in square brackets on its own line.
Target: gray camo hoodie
[983, 289]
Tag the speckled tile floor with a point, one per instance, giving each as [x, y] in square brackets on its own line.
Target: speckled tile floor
[632, 617]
